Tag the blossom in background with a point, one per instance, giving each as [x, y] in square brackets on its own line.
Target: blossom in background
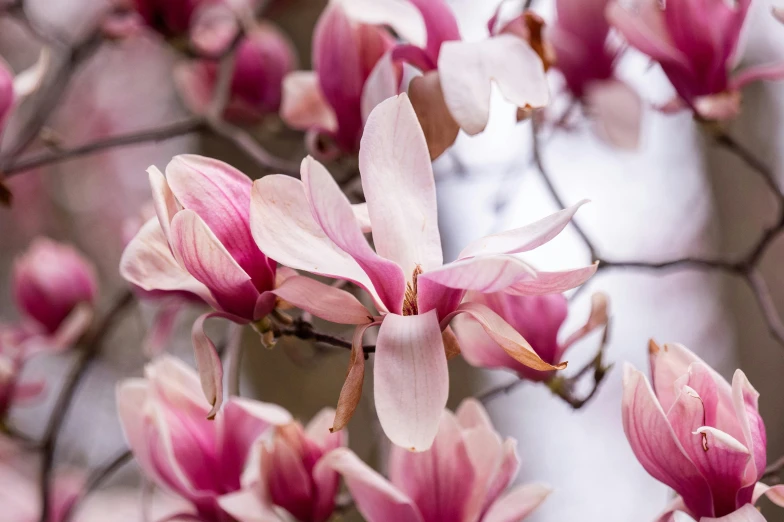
[263, 58]
[289, 473]
[14, 88]
[698, 434]
[164, 419]
[310, 225]
[349, 78]
[696, 44]
[464, 476]
[538, 318]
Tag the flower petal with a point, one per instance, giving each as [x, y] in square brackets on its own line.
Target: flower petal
[504, 335]
[747, 513]
[132, 395]
[655, 445]
[411, 380]
[468, 70]
[334, 214]
[205, 257]
[303, 106]
[163, 200]
[148, 263]
[547, 283]
[284, 227]
[324, 301]
[745, 400]
[427, 98]
[518, 503]
[376, 499]
[247, 506]
[398, 182]
[351, 392]
[440, 23]
[383, 83]
[400, 15]
[524, 238]
[208, 362]
[617, 111]
[484, 274]
[363, 217]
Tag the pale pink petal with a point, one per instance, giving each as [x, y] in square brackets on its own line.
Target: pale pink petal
[617, 110]
[655, 445]
[383, 83]
[303, 106]
[399, 187]
[472, 414]
[769, 71]
[351, 392]
[213, 27]
[505, 473]
[774, 493]
[324, 301]
[318, 429]
[485, 274]
[363, 216]
[484, 449]
[208, 362]
[440, 23]
[148, 263]
[220, 195]
[376, 499]
[247, 506]
[745, 401]
[208, 261]
[720, 106]
[479, 349]
[598, 318]
[439, 481]
[163, 200]
[31, 79]
[411, 380]
[468, 70]
[400, 15]
[285, 229]
[518, 503]
[132, 395]
[503, 334]
[334, 214]
[746, 513]
[327, 482]
[195, 84]
[72, 328]
[547, 283]
[524, 238]
[160, 333]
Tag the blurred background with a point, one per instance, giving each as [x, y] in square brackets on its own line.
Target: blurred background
[677, 195]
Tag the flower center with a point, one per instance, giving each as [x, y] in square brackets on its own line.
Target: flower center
[410, 306]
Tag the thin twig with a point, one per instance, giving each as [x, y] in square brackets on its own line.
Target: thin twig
[92, 346]
[97, 478]
[157, 134]
[305, 331]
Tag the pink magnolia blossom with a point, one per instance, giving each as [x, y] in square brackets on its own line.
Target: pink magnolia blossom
[310, 225]
[463, 477]
[289, 473]
[349, 78]
[696, 44]
[538, 318]
[55, 288]
[164, 420]
[264, 57]
[697, 434]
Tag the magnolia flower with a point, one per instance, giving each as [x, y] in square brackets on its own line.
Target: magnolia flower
[289, 473]
[464, 476]
[698, 60]
[164, 420]
[349, 77]
[538, 318]
[309, 225]
[263, 58]
[697, 434]
[55, 288]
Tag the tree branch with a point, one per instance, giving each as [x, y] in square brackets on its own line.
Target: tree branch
[305, 331]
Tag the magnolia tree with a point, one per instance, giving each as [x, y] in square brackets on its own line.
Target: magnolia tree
[348, 235]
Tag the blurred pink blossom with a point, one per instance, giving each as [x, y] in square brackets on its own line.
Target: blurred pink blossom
[697, 45]
[164, 420]
[697, 434]
[6, 92]
[538, 318]
[464, 476]
[263, 58]
[309, 225]
[290, 473]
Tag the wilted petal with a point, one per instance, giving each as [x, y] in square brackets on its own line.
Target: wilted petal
[468, 69]
[304, 106]
[524, 238]
[351, 392]
[655, 445]
[439, 481]
[427, 98]
[411, 379]
[398, 182]
[322, 300]
[518, 503]
[334, 214]
[617, 110]
[483, 274]
[376, 499]
[208, 362]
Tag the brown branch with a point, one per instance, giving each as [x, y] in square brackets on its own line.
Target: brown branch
[92, 342]
[305, 331]
[97, 478]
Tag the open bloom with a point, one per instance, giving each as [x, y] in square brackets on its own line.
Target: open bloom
[464, 476]
[696, 433]
[309, 225]
[289, 473]
[55, 288]
[696, 44]
[538, 318]
[264, 57]
[164, 420]
[333, 101]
